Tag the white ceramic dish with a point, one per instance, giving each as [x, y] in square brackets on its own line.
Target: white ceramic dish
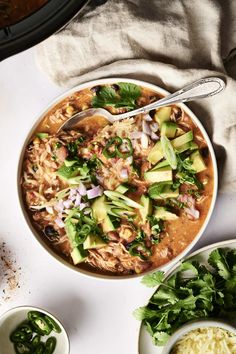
[192, 326]
[12, 318]
[145, 344]
[159, 90]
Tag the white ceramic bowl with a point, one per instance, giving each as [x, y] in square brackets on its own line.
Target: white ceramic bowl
[160, 91]
[12, 318]
[188, 327]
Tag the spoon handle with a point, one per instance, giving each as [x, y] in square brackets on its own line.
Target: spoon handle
[199, 89]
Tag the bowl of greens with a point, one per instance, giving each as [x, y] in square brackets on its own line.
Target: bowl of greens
[202, 287]
[32, 330]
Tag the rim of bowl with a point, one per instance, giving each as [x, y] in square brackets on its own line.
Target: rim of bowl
[7, 313]
[190, 326]
[40, 116]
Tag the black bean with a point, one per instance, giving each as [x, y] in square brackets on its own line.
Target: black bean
[95, 89]
[152, 113]
[205, 151]
[51, 233]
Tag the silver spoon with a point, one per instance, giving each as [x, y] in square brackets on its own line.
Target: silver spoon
[199, 89]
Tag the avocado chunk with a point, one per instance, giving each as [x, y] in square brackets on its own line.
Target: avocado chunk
[188, 146]
[93, 241]
[163, 163]
[198, 163]
[107, 224]
[162, 115]
[162, 190]
[179, 131]
[169, 129]
[70, 229]
[99, 208]
[122, 189]
[160, 175]
[163, 214]
[78, 255]
[147, 208]
[156, 153]
[100, 212]
[182, 139]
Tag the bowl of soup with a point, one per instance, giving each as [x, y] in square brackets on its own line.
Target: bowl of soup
[117, 200]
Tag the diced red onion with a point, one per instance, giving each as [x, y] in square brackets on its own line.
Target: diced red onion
[77, 200]
[59, 223]
[73, 193]
[67, 204]
[154, 127]
[144, 141]
[59, 206]
[147, 117]
[82, 189]
[194, 213]
[124, 173]
[129, 160]
[154, 136]
[83, 205]
[94, 192]
[49, 209]
[136, 135]
[146, 128]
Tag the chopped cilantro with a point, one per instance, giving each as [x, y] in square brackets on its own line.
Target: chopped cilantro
[125, 97]
[195, 291]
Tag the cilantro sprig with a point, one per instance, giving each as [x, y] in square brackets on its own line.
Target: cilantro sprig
[195, 291]
[125, 96]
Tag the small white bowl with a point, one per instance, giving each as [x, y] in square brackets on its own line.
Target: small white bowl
[188, 327]
[12, 318]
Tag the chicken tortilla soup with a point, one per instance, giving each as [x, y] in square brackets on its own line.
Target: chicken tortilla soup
[119, 198]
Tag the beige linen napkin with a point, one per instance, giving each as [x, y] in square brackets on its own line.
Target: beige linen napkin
[166, 42]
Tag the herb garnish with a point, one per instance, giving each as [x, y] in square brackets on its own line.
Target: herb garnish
[194, 292]
[125, 97]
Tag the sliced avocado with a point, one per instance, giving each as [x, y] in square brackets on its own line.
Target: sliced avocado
[93, 241]
[198, 163]
[169, 129]
[179, 131]
[78, 255]
[162, 190]
[122, 189]
[99, 208]
[188, 146]
[160, 175]
[113, 195]
[183, 139]
[147, 207]
[156, 153]
[70, 229]
[162, 115]
[167, 192]
[161, 164]
[100, 212]
[107, 224]
[163, 214]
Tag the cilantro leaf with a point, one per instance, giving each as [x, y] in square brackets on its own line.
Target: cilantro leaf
[144, 313]
[153, 279]
[160, 338]
[106, 96]
[125, 97]
[218, 261]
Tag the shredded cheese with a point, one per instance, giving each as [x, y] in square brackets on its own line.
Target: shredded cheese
[211, 340]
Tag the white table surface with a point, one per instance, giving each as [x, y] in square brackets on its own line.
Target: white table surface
[96, 313]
